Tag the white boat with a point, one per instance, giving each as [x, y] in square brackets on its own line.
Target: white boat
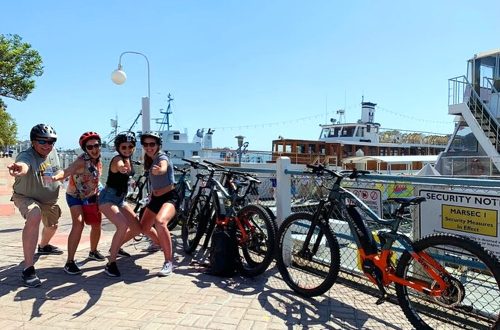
[473, 149]
[364, 144]
[178, 145]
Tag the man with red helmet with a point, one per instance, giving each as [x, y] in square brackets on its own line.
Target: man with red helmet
[81, 196]
[35, 195]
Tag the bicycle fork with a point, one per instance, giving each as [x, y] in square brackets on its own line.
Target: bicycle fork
[305, 252]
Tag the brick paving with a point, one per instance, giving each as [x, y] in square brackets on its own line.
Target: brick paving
[140, 300]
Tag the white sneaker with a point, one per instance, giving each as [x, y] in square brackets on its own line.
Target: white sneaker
[166, 269]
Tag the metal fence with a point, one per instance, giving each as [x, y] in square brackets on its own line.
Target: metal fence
[450, 208]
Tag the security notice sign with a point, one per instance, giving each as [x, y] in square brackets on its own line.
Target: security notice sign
[370, 197]
[471, 214]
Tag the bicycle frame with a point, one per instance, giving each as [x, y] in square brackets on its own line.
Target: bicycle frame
[381, 257]
[220, 209]
[376, 261]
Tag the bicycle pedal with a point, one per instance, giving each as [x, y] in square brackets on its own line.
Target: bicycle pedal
[381, 300]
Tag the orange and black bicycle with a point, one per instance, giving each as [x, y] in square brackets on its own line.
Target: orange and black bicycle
[213, 205]
[441, 281]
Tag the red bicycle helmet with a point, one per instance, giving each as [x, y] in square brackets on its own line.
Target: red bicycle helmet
[88, 136]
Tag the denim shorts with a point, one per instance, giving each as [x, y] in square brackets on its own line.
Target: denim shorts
[109, 195]
[72, 201]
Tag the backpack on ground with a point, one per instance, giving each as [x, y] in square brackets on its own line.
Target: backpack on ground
[223, 250]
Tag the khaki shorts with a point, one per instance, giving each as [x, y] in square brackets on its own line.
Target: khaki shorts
[50, 212]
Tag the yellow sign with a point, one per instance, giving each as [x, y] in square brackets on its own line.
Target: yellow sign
[470, 220]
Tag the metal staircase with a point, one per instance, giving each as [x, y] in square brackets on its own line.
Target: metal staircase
[465, 102]
[485, 120]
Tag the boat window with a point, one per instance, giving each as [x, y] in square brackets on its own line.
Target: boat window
[336, 132]
[176, 137]
[325, 132]
[288, 147]
[360, 132]
[312, 148]
[368, 128]
[301, 148]
[195, 153]
[464, 140]
[348, 131]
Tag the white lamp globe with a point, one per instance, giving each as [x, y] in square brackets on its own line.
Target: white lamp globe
[118, 77]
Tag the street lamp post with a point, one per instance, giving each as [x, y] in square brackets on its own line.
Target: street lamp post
[241, 147]
[119, 77]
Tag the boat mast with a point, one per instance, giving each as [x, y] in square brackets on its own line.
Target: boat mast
[166, 117]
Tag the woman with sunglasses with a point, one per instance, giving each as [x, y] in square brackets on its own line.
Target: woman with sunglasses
[81, 196]
[112, 200]
[161, 208]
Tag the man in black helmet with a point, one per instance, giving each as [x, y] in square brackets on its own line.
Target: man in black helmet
[35, 195]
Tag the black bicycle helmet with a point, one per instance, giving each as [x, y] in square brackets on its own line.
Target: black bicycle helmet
[88, 136]
[124, 137]
[151, 134]
[43, 131]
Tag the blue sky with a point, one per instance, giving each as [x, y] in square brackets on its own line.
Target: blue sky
[260, 68]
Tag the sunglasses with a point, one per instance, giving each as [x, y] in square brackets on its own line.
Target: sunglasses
[92, 146]
[49, 142]
[129, 147]
[149, 145]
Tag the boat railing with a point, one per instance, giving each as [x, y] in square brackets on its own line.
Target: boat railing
[461, 91]
[489, 84]
[458, 90]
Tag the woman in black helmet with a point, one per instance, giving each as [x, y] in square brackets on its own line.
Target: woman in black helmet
[112, 199]
[161, 208]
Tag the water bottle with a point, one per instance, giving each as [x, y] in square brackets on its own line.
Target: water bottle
[47, 177]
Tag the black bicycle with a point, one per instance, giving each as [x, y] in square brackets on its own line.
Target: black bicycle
[441, 280]
[242, 187]
[185, 193]
[138, 194]
[255, 231]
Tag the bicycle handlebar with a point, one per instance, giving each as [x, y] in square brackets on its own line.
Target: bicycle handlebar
[243, 175]
[351, 174]
[195, 164]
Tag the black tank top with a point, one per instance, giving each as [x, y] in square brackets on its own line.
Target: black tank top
[119, 181]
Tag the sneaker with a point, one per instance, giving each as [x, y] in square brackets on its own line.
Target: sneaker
[122, 253]
[152, 247]
[30, 279]
[111, 269]
[166, 269]
[96, 255]
[49, 249]
[72, 268]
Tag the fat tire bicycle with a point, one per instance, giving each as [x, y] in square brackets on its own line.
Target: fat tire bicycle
[255, 230]
[241, 186]
[441, 280]
[185, 192]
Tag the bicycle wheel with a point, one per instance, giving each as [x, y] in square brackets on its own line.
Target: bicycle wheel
[473, 301]
[307, 272]
[195, 225]
[174, 222]
[256, 253]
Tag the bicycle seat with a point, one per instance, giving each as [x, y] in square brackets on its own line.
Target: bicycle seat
[407, 200]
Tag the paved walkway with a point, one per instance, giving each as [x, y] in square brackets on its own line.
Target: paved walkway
[140, 300]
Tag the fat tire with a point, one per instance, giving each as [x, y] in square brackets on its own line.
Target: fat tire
[467, 244]
[330, 276]
[195, 218]
[248, 267]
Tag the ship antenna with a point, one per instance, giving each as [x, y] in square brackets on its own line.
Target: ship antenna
[166, 117]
